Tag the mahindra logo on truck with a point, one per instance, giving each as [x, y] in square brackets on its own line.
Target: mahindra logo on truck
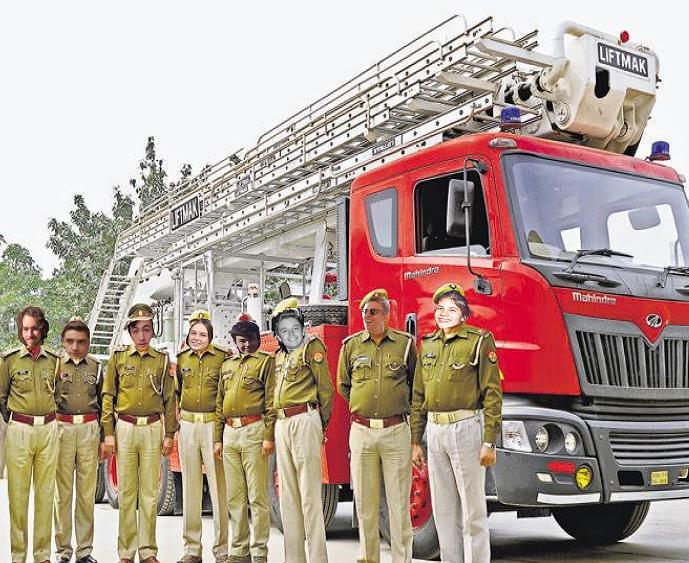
[593, 298]
[430, 271]
[624, 60]
[654, 321]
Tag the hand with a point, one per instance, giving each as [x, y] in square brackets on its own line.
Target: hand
[268, 447]
[488, 456]
[217, 450]
[167, 447]
[102, 454]
[418, 457]
[109, 445]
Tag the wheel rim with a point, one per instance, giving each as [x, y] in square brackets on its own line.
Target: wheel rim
[112, 472]
[420, 502]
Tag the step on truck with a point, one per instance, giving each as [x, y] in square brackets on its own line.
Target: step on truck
[467, 155]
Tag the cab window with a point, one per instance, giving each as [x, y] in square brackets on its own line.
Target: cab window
[381, 217]
[430, 201]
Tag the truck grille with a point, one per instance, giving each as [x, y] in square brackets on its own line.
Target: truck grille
[658, 448]
[628, 361]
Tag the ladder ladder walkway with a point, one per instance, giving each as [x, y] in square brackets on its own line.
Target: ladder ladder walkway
[317, 148]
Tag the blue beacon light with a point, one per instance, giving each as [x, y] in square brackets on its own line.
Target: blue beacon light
[660, 150]
[510, 118]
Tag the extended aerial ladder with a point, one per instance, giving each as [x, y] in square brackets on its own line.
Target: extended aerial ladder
[453, 80]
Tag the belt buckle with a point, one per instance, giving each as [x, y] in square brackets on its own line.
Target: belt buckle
[376, 423]
[39, 420]
[78, 419]
[141, 420]
[236, 422]
[199, 417]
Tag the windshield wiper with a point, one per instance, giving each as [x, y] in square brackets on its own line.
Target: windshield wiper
[581, 277]
[681, 270]
[596, 252]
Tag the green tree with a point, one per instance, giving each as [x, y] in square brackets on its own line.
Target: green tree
[151, 182]
[84, 244]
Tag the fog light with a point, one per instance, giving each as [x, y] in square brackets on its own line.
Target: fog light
[514, 436]
[584, 477]
[544, 477]
[571, 442]
[542, 439]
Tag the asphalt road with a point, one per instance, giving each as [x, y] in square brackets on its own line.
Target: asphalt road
[664, 537]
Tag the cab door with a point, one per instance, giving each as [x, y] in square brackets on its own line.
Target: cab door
[375, 256]
[434, 257]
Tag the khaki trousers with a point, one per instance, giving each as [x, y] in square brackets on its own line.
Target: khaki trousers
[298, 442]
[195, 451]
[77, 455]
[246, 472]
[32, 453]
[382, 454]
[138, 469]
[458, 491]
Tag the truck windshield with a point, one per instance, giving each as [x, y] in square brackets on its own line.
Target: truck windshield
[563, 207]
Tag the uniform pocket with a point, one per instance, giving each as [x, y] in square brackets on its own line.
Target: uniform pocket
[362, 369]
[459, 370]
[428, 367]
[396, 368]
[251, 383]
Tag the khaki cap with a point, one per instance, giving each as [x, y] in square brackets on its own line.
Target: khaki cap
[289, 303]
[447, 288]
[139, 312]
[378, 293]
[199, 315]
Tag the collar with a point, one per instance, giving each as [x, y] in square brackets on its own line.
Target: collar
[149, 352]
[210, 350]
[25, 352]
[461, 333]
[388, 334]
[67, 358]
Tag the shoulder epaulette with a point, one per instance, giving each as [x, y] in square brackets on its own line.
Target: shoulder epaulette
[264, 353]
[185, 351]
[11, 351]
[352, 336]
[94, 360]
[429, 335]
[402, 333]
[120, 348]
[226, 349]
[51, 352]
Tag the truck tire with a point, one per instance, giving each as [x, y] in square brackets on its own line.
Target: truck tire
[100, 482]
[329, 497]
[166, 489]
[425, 544]
[110, 470]
[325, 314]
[602, 524]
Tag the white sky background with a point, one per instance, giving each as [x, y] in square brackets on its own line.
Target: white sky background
[83, 84]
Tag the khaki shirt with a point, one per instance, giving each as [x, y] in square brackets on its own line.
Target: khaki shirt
[27, 386]
[303, 376]
[138, 384]
[376, 379]
[78, 385]
[198, 378]
[246, 382]
[457, 372]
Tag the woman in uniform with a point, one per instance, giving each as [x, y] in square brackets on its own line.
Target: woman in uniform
[456, 389]
[198, 374]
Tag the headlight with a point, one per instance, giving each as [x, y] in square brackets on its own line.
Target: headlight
[571, 442]
[514, 436]
[542, 439]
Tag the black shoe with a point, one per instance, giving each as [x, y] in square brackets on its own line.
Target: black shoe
[64, 559]
[86, 559]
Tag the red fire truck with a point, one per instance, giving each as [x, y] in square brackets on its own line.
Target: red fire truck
[469, 157]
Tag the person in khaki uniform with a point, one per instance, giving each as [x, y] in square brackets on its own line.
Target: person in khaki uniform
[77, 390]
[27, 403]
[198, 374]
[244, 438]
[303, 401]
[374, 376]
[137, 392]
[457, 376]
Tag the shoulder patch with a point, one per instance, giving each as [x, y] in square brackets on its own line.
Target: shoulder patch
[492, 356]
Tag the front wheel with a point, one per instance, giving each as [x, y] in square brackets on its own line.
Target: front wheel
[602, 523]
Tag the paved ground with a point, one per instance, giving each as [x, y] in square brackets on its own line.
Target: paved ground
[664, 537]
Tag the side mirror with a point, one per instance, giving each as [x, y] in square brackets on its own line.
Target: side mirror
[644, 218]
[460, 195]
